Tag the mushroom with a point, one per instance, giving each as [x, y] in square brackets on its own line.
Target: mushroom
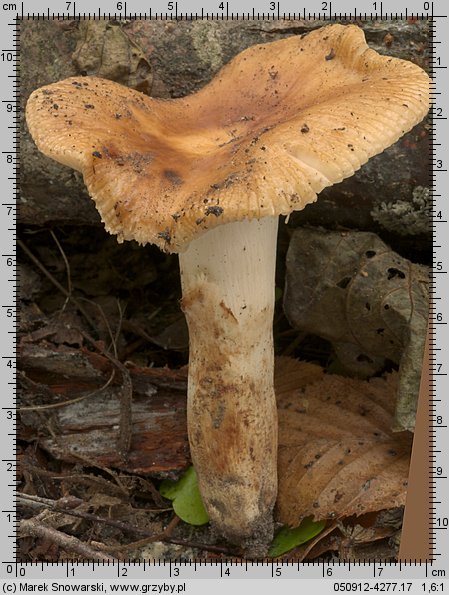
[207, 176]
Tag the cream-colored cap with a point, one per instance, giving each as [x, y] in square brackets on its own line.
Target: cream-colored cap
[275, 126]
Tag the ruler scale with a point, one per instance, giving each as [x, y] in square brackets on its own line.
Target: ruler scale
[431, 571]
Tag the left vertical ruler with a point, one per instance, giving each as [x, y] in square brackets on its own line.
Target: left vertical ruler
[9, 197]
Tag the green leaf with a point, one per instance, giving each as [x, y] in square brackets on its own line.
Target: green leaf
[186, 498]
[278, 293]
[286, 538]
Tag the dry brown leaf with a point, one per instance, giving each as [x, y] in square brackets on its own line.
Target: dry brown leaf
[337, 454]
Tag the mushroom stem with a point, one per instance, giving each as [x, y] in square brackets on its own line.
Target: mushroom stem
[228, 298]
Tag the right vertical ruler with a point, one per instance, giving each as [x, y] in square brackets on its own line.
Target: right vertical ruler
[425, 535]
[439, 314]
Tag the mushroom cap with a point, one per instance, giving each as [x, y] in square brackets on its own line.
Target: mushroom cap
[279, 123]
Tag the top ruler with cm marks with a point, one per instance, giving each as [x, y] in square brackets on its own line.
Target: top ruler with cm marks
[191, 9]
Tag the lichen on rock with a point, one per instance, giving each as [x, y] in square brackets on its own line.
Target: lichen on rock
[406, 218]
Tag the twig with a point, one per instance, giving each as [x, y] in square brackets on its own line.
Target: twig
[82, 479]
[72, 401]
[106, 322]
[58, 506]
[154, 493]
[131, 326]
[93, 463]
[67, 266]
[126, 394]
[118, 330]
[66, 542]
[55, 282]
[162, 536]
[61, 506]
[64, 504]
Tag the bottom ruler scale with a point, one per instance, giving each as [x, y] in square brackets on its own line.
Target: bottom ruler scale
[161, 570]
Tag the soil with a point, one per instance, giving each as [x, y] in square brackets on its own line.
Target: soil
[102, 321]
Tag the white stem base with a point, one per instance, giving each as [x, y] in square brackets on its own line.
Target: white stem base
[228, 299]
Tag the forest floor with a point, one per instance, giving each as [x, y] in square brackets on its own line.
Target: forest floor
[103, 350]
